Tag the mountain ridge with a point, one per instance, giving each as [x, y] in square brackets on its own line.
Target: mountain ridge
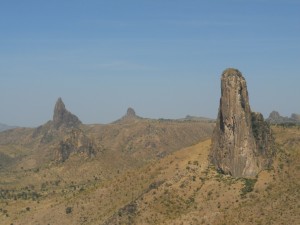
[276, 118]
[4, 127]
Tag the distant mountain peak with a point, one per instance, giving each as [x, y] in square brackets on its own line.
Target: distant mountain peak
[295, 116]
[130, 116]
[276, 118]
[62, 116]
[275, 115]
[130, 112]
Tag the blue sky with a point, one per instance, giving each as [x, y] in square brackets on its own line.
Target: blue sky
[164, 58]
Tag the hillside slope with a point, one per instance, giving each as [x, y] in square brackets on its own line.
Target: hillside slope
[181, 188]
[189, 191]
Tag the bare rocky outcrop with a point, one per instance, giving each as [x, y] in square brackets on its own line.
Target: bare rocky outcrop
[73, 143]
[265, 143]
[276, 118]
[64, 135]
[62, 117]
[242, 143]
[295, 117]
[63, 120]
[74, 139]
[129, 117]
[130, 112]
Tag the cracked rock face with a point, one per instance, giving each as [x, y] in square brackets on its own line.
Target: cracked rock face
[242, 143]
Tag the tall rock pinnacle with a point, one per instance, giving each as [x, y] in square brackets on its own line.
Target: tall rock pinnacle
[242, 143]
[62, 116]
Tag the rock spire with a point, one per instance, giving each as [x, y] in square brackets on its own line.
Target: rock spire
[62, 116]
[242, 143]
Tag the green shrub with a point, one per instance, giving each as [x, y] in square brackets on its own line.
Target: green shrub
[248, 186]
[69, 210]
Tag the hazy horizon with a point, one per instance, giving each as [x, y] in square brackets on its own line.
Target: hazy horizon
[162, 58]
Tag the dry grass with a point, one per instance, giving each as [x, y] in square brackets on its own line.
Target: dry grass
[180, 188]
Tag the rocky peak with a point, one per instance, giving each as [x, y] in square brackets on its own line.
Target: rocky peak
[296, 117]
[130, 112]
[234, 143]
[62, 116]
[276, 118]
[275, 115]
[129, 116]
[231, 72]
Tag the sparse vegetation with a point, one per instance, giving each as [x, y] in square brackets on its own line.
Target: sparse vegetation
[248, 186]
[197, 195]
